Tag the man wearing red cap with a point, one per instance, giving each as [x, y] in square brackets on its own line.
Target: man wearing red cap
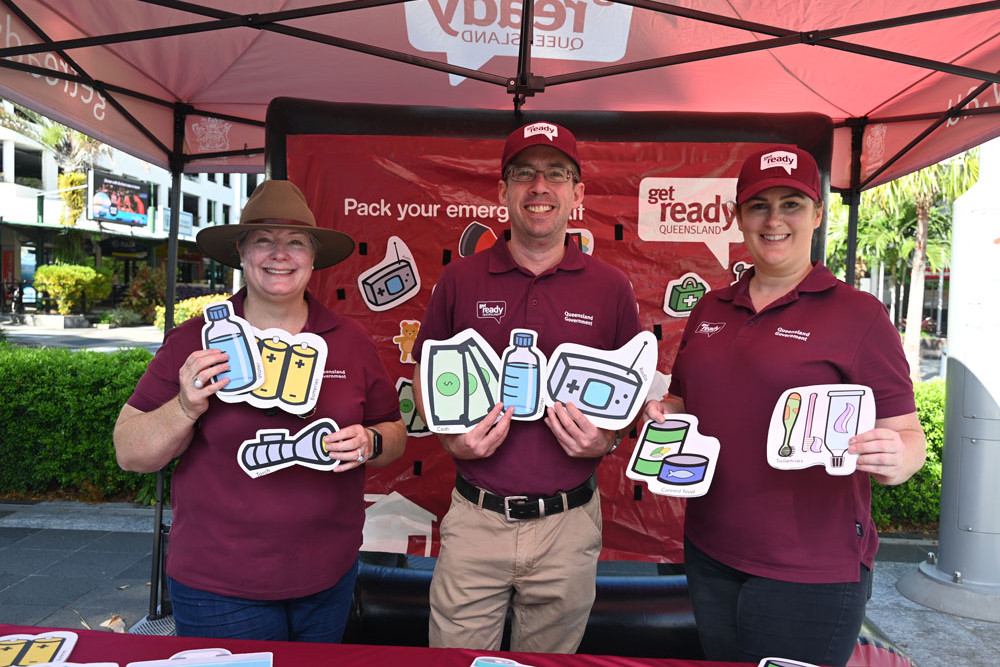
[524, 527]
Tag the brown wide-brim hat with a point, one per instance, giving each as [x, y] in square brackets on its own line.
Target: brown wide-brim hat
[275, 204]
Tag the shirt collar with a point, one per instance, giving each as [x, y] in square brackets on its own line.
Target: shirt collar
[320, 319]
[818, 279]
[501, 261]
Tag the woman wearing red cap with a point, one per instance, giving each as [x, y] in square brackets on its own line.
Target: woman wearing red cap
[779, 561]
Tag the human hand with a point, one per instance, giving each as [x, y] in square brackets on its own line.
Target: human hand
[575, 433]
[195, 379]
[351, 445]
[483, 439]
[892, 451]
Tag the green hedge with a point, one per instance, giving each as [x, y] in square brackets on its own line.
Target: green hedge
[58, 409]
[916, 503]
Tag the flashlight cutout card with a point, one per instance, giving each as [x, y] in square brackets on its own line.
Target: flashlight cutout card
[21, 649]
[522, 372]
[460, 381]
[274, 449]
[673, 458]
[415, 426]
[813, 425]
[392, 281]
[606, 385]
[225, 331]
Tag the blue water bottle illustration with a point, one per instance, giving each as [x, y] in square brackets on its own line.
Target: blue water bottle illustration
[520, 379]
[224, 332]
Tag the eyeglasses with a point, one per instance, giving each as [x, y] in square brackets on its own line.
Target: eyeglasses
[552, 174]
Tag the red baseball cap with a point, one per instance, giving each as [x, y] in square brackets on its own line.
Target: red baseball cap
[778, 166]
[541, 133]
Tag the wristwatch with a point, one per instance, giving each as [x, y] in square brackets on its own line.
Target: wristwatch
[618, 440]
[376, 444]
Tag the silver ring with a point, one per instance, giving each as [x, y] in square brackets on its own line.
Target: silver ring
[198, 384]
[361, 457]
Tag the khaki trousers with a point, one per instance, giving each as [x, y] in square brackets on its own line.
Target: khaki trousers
[544, 569]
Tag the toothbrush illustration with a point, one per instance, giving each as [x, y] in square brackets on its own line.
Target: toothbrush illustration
[810, 441]
[792, 405]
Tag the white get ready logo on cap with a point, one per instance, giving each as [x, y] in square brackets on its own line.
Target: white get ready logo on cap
[783, 159]
[550, 131]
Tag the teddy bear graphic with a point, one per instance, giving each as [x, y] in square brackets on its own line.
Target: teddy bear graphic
[407, 337]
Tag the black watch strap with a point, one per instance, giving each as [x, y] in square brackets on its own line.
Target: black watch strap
[376, 444]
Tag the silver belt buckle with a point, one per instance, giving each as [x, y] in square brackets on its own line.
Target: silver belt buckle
[506, 505]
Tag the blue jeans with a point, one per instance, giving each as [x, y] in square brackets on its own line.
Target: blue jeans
[745, 618]
[320, 617]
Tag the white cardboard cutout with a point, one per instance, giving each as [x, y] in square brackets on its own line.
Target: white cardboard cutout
[606, 385]
[293, 371]
[495, 661]
[415, 425]
[683, 294]
[812, 425]
[460, 379]
[583, 237]
[522, 373]
[223, 330]
[392, 281]
[408, 330]
[274, 449]
[210, 657]
[673, 458]
[22, 649]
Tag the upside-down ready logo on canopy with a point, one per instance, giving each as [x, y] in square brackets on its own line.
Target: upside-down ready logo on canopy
[471, 32]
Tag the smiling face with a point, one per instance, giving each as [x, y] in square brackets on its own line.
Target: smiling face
[277, 263]
[777, 226]
[540, 210]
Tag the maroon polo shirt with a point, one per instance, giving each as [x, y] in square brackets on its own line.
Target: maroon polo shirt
[293, 532]
[582, 300]
[732, 367]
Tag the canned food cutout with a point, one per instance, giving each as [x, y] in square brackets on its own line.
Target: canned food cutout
[813, 425]
[673, 458]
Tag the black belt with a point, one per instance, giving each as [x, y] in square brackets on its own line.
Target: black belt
[517, 508]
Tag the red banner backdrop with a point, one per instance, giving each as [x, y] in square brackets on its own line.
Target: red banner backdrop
[657, 210]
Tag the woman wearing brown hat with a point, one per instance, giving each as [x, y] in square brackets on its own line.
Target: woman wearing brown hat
[272, 557]
[779, 562]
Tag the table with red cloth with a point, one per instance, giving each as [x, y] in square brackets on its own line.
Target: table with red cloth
[93, 646]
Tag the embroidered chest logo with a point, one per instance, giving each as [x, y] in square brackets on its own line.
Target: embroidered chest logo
[797, 334]
[709, 328]
[578, 318]
[491, 310]
[334, 374]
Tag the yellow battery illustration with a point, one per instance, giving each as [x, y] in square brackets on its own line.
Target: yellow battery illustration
[10, 651]
[299, 375]
[41, 650]
[274, 354]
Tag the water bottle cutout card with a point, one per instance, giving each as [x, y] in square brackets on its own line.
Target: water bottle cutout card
[210, 657]
[392, 281]
[608, 386]
[459, 380]
[19, 649]
[274, 449]
[813, 425]
[673, 458]
[522, 370]
[415, 426]
[233, 335]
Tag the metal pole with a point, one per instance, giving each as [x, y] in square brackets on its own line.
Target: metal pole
[965, 578]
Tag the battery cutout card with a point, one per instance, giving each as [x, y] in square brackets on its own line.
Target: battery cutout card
[23, 649]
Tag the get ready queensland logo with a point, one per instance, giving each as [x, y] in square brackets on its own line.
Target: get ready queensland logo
[690, 210]
[471, 32]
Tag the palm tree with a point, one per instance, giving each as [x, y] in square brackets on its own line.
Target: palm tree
[929, 194]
